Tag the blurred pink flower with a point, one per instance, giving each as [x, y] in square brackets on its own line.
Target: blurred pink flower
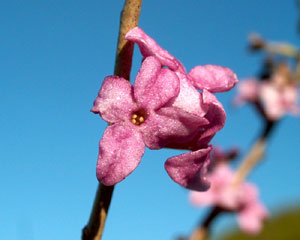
[247, 91]
[242, 199]
[276, 97]
[279, 101]
[163, 109]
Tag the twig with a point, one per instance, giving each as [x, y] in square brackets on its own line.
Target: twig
[95, 227]
[129, 19]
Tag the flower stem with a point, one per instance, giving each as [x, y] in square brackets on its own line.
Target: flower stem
[129, 19]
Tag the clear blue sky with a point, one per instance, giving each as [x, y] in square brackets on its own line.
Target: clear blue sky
[54, 56]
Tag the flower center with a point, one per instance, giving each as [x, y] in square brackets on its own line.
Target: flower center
[138, 117]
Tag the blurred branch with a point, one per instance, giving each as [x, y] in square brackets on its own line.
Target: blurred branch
[255, 154]
[129, 19]
[280, 48]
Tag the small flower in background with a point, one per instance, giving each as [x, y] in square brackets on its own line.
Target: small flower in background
[163, 109]
[247, 91]
[278, 94]
[242, 198]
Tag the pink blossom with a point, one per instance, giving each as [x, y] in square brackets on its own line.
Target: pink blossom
[279, 101]
[133, 110]
[188, 106]
[247, 91]
[163, 109]
[242, 199]
[276, 98]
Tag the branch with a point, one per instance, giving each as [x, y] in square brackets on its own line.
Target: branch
[255, 155]
[129, 19]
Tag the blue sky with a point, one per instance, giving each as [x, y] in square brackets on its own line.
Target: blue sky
[54, 56]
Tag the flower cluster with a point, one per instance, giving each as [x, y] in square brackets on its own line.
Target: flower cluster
[278, 94]
[163, 109]
[242, 198]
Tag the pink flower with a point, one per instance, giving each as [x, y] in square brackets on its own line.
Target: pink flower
[163, 109]
[276, 98]
[188, 106]
[247, 91]
[242, 199]
[279, 101]
[134, 112]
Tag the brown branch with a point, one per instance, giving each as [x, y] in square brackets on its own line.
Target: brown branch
[94, 229]
[129, 19]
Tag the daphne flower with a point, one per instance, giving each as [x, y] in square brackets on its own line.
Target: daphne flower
[189, 105]
[279, 101]
[132, 110]
[247, 91]
[242, 199]
[190, 102]
[162, 110]
[278, 95]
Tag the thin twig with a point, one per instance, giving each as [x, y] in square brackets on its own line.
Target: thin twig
[129, 19]
[95, 227]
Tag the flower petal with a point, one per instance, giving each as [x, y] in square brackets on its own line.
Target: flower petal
[202, 198]
[155, 86]
[290, 99]
[185, 169]
[149, 47]
[215, 115]
[189, 99]
[251, 218]
[171, 127]
[272, 101]
[213, 78]
[120, 151]
[115, 99]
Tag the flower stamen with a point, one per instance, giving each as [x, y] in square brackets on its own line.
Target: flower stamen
[138, 117]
